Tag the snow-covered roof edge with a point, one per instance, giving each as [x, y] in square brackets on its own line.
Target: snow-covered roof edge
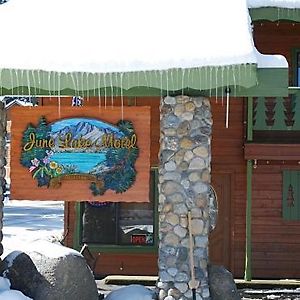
[290, 4]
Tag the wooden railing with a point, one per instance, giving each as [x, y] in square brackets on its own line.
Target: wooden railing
[281, 113]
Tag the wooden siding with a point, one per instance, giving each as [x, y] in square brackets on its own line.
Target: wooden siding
[276, 242]
[227, 157]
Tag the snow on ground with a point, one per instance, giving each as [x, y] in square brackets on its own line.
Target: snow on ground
[28, 221]
[7, 294]
[31, 225]
[25, 223]
[131, 292]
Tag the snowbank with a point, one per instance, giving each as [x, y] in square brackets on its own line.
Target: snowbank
[7, 294]
[131, 292]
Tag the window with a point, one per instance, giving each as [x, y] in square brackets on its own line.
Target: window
[298, 68]
[291, 196]
[295, 79]
[120, 223]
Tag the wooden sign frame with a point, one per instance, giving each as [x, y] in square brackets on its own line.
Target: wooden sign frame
[28, 180]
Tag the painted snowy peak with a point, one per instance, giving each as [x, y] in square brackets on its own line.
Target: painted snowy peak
[83, 129]
[292, 4]
[186, 35]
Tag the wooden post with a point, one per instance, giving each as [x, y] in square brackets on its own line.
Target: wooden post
[248, 250]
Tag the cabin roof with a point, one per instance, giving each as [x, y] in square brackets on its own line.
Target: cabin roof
[170, 45]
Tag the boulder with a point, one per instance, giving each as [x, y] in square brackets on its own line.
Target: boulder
[221, 284]
[23, 274]
[51, 272]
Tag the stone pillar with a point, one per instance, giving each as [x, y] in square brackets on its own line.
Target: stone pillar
[184, 178]
[2, 166]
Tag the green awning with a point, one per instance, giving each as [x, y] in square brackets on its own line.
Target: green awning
[36, 82]
[275, 14]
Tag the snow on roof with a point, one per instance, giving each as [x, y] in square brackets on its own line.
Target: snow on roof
[18, 102]
[121, 36]
[274, 3]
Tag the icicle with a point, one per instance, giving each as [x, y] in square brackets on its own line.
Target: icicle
[74, 83]
[206, 77]
[82, 84]
[34, 84]
[22, 82]
[182, 80]
[227, 90]
[99, 91]
[28, 83]
[112, 90]
[167, 82]
[95, 94]
[146, 78]
[105, 96]
[210, 81]
[122, 100]
[222, 83]
[188, 78]
[17, 81]
[194, 82]
[49, 84]
[39, 79]
[161, 83]
[59, 98]
[234, 80]
[11, 80]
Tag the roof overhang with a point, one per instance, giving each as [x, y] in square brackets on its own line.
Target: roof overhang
[274, 10]
[275, 14]
[131, 59]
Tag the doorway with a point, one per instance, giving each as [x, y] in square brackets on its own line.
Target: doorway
[220, 237]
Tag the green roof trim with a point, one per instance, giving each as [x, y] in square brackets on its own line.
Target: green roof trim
[272, 82]
[275, 14]
[146, 83]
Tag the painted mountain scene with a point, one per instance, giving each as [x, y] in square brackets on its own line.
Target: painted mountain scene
[81, 149]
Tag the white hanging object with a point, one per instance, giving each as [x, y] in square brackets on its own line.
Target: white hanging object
[227, 90]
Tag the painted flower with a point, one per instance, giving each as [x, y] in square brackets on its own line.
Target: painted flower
[32, 168]
[46, 160]
[35, 162]
[59, 170]
[49, 152]
[53, 165]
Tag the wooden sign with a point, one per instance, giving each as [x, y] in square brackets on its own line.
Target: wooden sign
[80, 154]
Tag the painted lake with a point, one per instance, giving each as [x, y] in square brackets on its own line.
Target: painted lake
[83, 161]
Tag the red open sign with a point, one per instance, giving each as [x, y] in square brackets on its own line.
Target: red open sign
[138, 239]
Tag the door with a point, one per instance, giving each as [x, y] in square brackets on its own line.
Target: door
[219, 238]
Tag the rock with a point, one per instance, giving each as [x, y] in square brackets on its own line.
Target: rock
[51, 272]
[221, 283]
[23, 274]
